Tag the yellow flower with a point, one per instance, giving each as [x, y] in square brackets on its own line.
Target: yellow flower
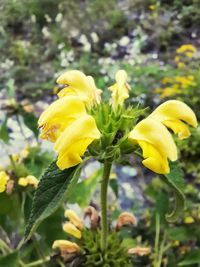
[181, 65]
[67, 123]
[188, 220]
[72, 216]
[29, 180]
[120, 90]
[74, 140]
[152, 7]
[3, 181]
[78, 84]
[186, 48]
[66, 246]
[189, 54]
[59, 115]
[157, 144]
[166, 80]
[174, 114]
[71, 229]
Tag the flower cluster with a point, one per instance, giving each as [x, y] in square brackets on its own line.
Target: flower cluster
[85, 238]
[175, 85]
[183, 53]
[69, 124]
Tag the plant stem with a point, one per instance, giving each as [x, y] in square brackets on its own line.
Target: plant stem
[104, 189]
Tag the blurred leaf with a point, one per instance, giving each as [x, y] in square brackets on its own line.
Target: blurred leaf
[181, 233]
[31, 122]
[54, 186]
[193, 257]
[4, 135]
[9, 260]
[114, 185]
[10, 86]
[175, 180]
[85, 189]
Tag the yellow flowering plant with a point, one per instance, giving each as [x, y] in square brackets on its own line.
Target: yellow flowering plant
[81, 125]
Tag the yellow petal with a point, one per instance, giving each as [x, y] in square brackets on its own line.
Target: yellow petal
[22, 181]
[156, 134]
[178, 127]
[72, 230]
[58, 115]
[66, 246]
[173, 113]
[3, 181]
[79, 84]
[32, 180]
[74, 140]
[72, 216]
[120, 90]
[153, 160]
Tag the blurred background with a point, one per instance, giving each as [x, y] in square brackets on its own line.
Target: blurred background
[157, 43]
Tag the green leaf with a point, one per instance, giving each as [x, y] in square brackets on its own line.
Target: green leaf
[31, 122]
[85, 189]
[193, 257]
[54, 186]
[4, 135]
[10, 260]
[175, 180]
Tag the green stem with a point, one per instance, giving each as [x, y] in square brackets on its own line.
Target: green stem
[104, 219]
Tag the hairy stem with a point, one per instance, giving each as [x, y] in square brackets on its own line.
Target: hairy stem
[104, 219]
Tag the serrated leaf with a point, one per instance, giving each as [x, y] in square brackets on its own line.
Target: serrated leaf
[175, 180]
[10, 260]
[193, 257]
[54, 186]
[4, 135]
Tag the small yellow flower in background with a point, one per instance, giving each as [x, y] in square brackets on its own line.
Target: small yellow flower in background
[188, 220]
[3, 181]
[181, 65]
[73, 218]
[140, 251]
[71, 229]
[174, 115]
[186, 48]
[66, 247]
[29, 180]
[120, 90]
[155, 139]
[152, 7]
[166, 80]
[185, 81]
[78, 84]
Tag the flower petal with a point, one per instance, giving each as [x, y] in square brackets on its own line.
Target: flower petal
[71, 229]
[74, 140]
[156, 134]
[174, 109]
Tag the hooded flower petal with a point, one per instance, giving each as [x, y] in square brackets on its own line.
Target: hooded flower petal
[119, 89]
[140, 251]
[72, 216]
[59, 115]
[77, 83]
[74, 140]
[71, 229]
[174, 114]
[125, 219]
[3, 181]
[66, 246]
[157, 144]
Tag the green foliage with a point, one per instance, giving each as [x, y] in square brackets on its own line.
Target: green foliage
[10, 260]
[175, 180]
[55, 186]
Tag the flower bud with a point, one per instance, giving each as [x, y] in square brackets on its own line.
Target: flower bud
[125, 219]
[74, 219]
[66, 246]
[71, 229]
[140, 251]
[92, 213]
